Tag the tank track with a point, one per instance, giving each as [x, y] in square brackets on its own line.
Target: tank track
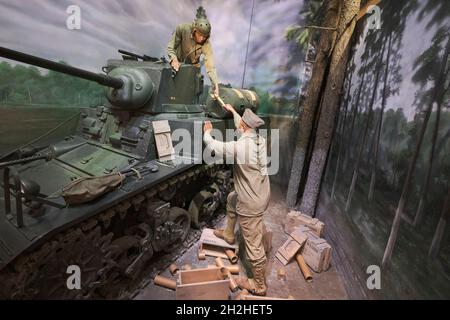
[165, 261]
[106, 247]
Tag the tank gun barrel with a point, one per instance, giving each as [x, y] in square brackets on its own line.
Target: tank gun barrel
[24, 160]
[104, 80]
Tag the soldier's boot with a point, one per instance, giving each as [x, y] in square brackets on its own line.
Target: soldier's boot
[251, 286]
[256, 286]
[260, 280]
[228, 233]
[225, 235]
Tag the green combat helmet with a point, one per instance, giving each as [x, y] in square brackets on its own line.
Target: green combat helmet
[201, 22]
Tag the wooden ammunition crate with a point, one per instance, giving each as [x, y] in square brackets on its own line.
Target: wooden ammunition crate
[202, 284]
[317, 252]
[292, 245]
[295, 219]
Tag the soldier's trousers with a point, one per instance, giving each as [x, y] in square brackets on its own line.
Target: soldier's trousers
[252, 230]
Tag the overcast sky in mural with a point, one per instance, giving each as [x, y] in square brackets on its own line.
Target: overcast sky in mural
[39, 27]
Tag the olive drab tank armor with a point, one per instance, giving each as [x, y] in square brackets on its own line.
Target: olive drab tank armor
[114, 192]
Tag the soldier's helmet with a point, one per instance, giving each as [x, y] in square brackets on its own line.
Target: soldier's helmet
[201, 23]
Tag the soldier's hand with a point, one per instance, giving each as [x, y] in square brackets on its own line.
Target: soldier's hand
[207, 126]
[175, 64]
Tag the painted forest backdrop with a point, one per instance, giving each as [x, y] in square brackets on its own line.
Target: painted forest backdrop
[389, 168]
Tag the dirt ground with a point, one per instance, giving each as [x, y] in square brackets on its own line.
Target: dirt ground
[326, 285]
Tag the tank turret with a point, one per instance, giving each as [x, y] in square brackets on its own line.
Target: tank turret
[148, 85]
[128, 88]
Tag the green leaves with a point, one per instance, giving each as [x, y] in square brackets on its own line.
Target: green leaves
[428, 64]
[312, 13]
[299, 35]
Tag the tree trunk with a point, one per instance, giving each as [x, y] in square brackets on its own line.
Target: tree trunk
[333, 141]
[312, 97]
[373, 176]
[372, 133]
[330, 104]
[342, 131]
[29, 94]
[366, 130]
[439, 233]
[354, 115]
[438, 92]
[426, 183]
[444, 139]
[394, 178]
[332, 146]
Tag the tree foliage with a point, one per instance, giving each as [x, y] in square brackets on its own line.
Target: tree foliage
[26, 85]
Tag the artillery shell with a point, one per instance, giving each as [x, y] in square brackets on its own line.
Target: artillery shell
[304, 268]
[231, 255]
[164, 282]
[173, 269]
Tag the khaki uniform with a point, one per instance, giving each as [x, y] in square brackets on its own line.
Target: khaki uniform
[183, 46]
[252, 230]
[252, 188]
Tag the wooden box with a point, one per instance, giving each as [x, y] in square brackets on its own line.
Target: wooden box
[317, 252]
[292, 245]
[295, 219]
[210, 245]
[202, 284]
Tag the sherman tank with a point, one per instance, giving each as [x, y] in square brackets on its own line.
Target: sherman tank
[137, 195]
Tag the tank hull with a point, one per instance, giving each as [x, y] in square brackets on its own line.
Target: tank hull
[114, 234]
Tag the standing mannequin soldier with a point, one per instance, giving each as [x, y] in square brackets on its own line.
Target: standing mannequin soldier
[247, 204]
[189, 42]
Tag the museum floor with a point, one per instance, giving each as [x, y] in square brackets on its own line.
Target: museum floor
[326, 285]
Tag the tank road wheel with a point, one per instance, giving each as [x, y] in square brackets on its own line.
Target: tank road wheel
[111, 249]
[133, 250]
[123, 251]
[204, 204]
[180, 224]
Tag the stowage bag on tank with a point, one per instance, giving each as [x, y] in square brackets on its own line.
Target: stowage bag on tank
[87, 189]
[240, 99]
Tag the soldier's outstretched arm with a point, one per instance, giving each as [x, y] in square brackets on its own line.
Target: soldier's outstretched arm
[227, 149]
[236, 117]
[211, 66]
[174, 43]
